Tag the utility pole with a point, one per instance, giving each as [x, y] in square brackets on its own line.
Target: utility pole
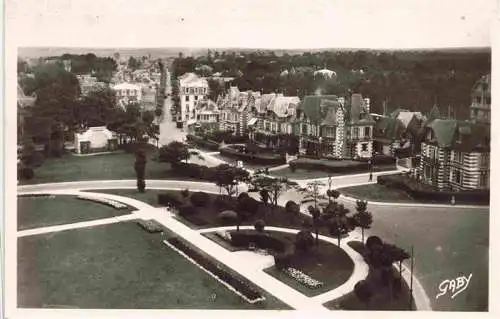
[411, 278]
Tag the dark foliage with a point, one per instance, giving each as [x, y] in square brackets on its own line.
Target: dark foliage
[200, 199]
[423, 192]
[259, 225]
[170, 199]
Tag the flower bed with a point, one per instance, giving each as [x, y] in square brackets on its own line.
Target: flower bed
[240, 286]
[302, 278]
[150, 225]
[104, 201]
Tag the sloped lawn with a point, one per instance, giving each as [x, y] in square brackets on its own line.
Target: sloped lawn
[42, 211]
[118, 266]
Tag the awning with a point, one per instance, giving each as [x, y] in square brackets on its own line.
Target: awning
[253, 121]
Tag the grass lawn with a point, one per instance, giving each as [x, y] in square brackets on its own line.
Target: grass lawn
[381, 298]
[377, 193]
[150, 196]
[447, 243]
[98, 167]
[326, 263]
[41, 211]
[116, 266]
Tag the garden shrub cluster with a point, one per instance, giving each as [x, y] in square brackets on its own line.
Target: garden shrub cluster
[243, 286]
[200, 199]
[263, 158]
[420, 191]
[150, 225]
[340, 165]
[282, 249]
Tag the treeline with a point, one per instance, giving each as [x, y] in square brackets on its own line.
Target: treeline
[101, 67]
[406, 79]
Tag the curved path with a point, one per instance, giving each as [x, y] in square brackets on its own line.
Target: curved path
[275, 287]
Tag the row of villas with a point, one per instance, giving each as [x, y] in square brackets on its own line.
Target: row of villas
[454, 154]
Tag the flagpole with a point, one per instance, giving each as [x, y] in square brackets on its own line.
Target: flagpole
[411, 278]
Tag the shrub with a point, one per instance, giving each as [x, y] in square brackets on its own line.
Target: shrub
[373, 241]
[248, 205]
[259, 225]
[304, 240]
[282, 260]
[170, 199]
[224, 203]
[25, 173]
[292, 207]
[255, 158]
[243, 195]
[150, 225]
[187, 210]
[228, 217]
[185, 193]
[200, 199]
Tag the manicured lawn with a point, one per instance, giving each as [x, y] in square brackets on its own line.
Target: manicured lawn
[381, 299]
[116, 266]
[301, 173]
[447, 244]
[97, 167]
[377, 193]
[150, 196]
[326, 263]
[41, 211]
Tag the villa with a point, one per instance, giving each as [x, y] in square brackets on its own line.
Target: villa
[191, 89]
[128, 93]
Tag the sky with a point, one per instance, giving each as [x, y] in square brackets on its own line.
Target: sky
[251, 23]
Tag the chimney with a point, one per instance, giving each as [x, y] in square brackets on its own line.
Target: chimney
[355, 107]
[367, 105]
[341, 101]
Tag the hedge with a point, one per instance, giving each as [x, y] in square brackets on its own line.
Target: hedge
[425, 192]
[25, 173]
[150, 225]
[333, 166]
[243, 286]
[172, 199]
[195, 171]
[257, 158]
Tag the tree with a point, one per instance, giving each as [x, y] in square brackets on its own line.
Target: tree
[228, 177]
[363, 292]
[363, 219]
[259, 225]
[339, 227]
[397, 255]
[134, 63]
[372, 242]
[316, 214]
[274, 187]
[175, 152]
[292, 208]
[312, 192]
[140, 169]
[332, 193]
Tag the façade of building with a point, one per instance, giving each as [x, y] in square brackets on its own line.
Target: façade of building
[456, 154]
[191, 89]
[236, 109]
[329, 126]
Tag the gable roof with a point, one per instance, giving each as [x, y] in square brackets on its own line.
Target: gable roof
[283, 106]
[315, 106]
[388, 128]
[460, 135]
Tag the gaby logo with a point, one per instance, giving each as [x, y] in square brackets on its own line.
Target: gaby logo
[454, 286]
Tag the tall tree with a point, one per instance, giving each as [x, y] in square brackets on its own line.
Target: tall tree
[229, 177]
[313, 192]
[275, 187]
[362, 218]
[175, 152]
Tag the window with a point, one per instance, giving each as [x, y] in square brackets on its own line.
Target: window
[485, 160]
[364, 147]
[355, 133]
[484, 181]
[195, 90]
[304, 128]
[196, 97]
[458, 177]
[367, 131]
[488, 100]
[187, 98]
